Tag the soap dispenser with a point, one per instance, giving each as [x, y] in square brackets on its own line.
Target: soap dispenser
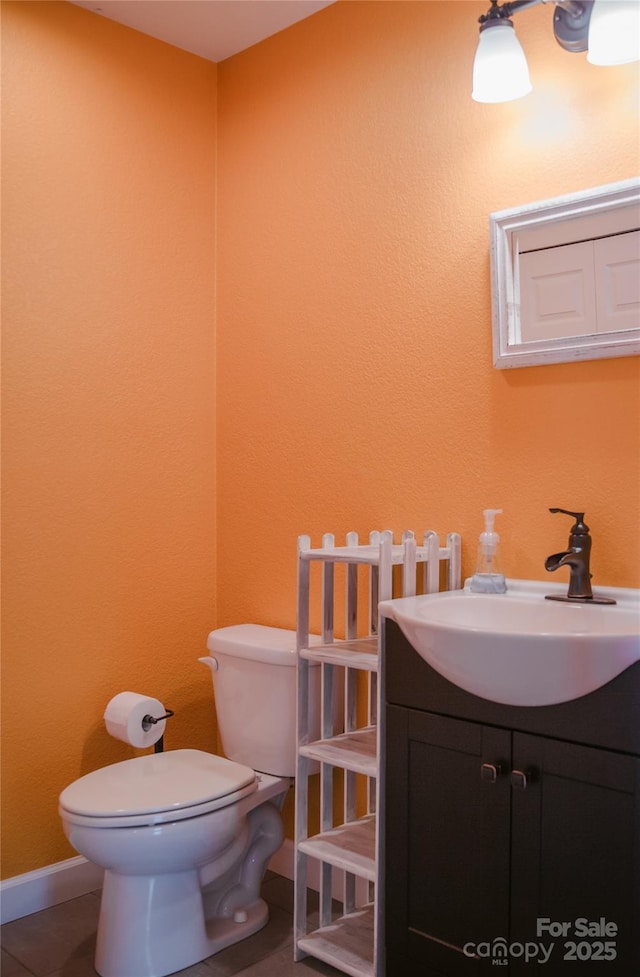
[488, 578]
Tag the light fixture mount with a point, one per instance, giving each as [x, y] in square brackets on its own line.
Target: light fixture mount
[571, 24]
[500, 13]
[570, 21]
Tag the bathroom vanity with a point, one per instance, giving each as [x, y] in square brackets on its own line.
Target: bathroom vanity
[511, 832]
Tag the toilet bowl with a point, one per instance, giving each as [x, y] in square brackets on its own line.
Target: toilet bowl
[185, 836]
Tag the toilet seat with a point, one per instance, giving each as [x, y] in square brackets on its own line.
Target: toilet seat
[156, 788]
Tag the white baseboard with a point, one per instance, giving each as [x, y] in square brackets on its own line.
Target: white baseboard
[46, 887]
[49, 886]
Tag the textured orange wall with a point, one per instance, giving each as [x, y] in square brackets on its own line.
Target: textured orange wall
[355, 385]
[109, 485]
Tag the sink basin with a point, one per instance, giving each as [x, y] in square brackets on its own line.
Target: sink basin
[518, 648]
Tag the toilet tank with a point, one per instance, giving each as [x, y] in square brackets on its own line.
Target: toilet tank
[254, 686]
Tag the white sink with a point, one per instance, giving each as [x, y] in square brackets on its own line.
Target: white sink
[518, 648]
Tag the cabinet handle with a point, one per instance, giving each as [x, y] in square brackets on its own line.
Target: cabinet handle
[519, 779]
[489, 772]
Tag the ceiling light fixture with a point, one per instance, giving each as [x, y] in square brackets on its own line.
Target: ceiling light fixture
[609, 29]
[614, 32]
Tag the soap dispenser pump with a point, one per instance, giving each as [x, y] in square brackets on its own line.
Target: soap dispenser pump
[488, 578]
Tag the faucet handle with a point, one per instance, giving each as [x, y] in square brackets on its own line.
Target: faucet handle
[579, 528]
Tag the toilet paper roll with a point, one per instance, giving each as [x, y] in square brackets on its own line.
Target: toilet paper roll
[124, 717]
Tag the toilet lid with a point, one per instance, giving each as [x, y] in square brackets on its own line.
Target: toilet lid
[171, 781]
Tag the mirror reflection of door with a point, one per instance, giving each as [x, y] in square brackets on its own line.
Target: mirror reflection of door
[566, 278]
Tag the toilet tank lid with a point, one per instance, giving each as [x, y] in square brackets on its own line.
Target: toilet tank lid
[257, 642]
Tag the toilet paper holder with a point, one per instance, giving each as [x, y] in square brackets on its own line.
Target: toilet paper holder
[149, 721]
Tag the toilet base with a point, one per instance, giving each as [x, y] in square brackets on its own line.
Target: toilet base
[171, 932]
[153, 926]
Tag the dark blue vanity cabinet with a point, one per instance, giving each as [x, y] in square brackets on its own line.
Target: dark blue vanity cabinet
[511, 834]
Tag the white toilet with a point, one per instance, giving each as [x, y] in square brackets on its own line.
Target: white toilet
[185, 836]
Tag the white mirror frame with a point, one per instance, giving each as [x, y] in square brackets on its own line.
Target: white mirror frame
[508, 348]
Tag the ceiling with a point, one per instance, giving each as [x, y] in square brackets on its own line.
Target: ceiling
[212, 29]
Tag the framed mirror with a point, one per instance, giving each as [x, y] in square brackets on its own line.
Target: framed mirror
[565, 278]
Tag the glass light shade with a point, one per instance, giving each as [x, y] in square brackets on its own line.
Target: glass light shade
[500, 70]
[614, 32]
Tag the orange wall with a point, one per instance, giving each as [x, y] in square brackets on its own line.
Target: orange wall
[109, 145]
[354, 384]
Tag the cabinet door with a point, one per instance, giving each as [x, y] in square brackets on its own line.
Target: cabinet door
[446, 837]
[617, 275]
[557, 292]
[576, 856]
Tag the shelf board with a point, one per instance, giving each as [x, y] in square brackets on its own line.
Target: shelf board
[367, 555]
[350, 846]
[354, 751]
[359, 653]
[346, 944]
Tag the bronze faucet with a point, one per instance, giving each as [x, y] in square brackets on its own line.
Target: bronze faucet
[576, 557]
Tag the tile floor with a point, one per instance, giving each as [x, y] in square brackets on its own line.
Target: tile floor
[60, 942]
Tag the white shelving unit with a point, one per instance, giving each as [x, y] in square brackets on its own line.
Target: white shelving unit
[343, 845]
